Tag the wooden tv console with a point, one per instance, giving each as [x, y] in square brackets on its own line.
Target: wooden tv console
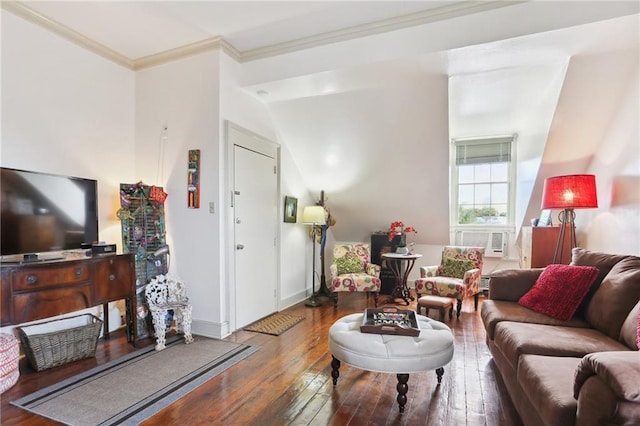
[37, 290]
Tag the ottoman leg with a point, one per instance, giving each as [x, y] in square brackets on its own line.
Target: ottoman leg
[335, 366]
[439, 373]
[402, 388]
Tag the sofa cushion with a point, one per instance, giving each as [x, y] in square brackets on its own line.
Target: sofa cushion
[495, 311]
[630, 331]
[559, 290]
[515, 339]
[603, 261]
[512, 284]
[616, 296]
[548, 384]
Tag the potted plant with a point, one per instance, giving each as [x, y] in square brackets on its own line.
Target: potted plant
[398, 228]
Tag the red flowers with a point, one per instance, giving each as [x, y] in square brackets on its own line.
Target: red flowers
[397, 228]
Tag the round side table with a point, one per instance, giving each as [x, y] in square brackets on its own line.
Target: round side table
[401, 290]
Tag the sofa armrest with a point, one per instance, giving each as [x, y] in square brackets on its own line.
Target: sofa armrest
[607, 387]
[472, 279]
[511, 284]
[620, 370]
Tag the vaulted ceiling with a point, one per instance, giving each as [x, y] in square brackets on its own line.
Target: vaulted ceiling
[366, 95]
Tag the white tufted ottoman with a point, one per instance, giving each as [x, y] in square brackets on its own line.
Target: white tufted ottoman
[384, 353]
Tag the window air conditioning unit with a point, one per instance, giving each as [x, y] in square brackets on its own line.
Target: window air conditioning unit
[495, 243]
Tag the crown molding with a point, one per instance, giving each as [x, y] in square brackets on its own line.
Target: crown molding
[377, 27]
[179, 53]
[217, 42]
[20, 9]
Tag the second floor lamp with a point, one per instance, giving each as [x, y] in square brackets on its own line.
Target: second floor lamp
[568, 193]
[313, 215]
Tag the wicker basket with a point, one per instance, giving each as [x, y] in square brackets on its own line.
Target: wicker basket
[52, 343]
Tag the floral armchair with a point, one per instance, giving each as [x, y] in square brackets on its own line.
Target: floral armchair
[352, 271]
[457, 276]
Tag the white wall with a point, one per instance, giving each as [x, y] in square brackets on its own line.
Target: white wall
[614, 226]
[67, 111]
[295, 242]
[184, 96]
[595, 130]
[193, 97]
[379, 153]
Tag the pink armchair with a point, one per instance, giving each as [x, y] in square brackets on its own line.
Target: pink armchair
[352, 271]
[457, 276]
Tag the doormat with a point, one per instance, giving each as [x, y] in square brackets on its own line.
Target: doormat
[275, 324]
[132, 388]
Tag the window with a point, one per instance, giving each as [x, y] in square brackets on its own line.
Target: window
[482, 177]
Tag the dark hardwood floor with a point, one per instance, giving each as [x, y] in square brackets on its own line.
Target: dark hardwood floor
[288, 381]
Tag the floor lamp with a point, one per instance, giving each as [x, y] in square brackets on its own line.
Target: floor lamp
[568, 193]
[313, 215]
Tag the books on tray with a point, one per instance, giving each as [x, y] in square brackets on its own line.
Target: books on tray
[390, 321]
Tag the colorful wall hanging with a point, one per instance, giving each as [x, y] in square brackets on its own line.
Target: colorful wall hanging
[193, 179]
[143, 232]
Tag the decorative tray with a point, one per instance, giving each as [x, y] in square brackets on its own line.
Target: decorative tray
[390, 321]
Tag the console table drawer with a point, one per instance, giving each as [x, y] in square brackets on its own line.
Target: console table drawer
[30, 279]
[49, 303]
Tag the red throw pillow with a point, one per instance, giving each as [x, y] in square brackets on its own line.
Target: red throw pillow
[559, 290]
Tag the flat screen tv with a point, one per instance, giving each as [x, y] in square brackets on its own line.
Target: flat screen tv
[42, 212]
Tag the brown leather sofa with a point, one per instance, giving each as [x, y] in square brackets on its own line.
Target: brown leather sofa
[585, 371]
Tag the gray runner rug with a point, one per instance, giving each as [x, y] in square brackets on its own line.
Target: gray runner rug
[132, 388]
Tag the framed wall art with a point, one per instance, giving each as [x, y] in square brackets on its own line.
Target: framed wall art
[290, 209]
[545, 218]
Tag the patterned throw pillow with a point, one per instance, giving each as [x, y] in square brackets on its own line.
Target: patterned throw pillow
[559, 290]
[349, 265]
[456, 268]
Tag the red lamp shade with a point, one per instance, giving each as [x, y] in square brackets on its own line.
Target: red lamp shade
[569, 192]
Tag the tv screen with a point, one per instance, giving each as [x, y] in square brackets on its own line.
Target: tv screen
[41, 212]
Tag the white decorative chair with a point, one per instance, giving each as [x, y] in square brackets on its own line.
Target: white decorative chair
[165, 293]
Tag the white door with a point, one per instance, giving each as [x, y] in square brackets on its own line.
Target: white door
[255, 227]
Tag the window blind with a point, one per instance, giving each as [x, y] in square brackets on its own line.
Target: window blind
[483, 150]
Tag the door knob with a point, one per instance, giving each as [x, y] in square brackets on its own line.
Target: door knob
[239, 247]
